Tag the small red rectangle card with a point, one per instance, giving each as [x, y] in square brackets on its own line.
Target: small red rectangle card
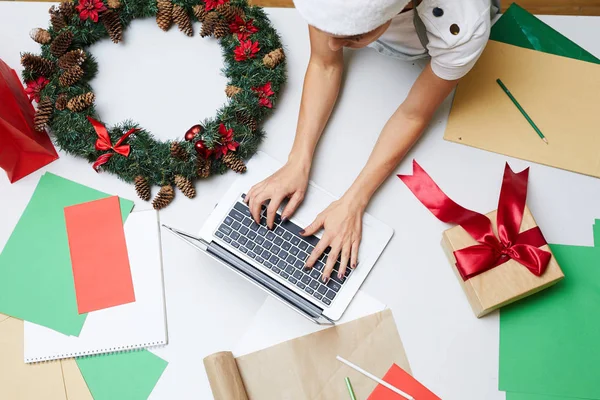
[99, 258]
[402, 380]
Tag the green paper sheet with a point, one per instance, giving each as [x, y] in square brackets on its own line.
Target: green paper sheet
[549, 342]
[122, 376]
[35, 265]
[520, 28]
[597, 233]
[530, 396]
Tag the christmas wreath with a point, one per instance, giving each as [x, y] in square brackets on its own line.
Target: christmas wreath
[59, 81]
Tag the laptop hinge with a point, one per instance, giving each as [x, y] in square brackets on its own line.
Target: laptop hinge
[272, 286]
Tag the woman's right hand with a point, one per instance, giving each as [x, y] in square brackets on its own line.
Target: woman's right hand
[289, 182]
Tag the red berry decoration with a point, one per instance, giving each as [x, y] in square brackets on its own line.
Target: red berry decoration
[193, 132]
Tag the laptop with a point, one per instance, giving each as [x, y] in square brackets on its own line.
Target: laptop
[274, 259]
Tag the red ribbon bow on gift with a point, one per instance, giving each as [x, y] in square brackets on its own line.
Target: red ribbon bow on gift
[491, 251]
[103, 143]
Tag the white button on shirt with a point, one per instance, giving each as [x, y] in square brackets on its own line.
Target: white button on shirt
[452, 55]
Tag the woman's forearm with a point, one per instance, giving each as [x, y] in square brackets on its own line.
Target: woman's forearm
[321, 88]
[319, 94]
[399, 134]
[396, 139]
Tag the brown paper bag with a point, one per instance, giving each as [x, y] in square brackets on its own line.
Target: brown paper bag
[306, 367]
[559, 94]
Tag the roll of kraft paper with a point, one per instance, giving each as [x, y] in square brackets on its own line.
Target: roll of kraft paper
[306, 367]
[224, 377]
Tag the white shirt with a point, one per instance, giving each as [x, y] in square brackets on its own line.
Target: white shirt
[452, 54]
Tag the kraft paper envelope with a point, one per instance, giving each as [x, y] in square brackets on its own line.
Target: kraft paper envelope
[20, 381]
[559, 94]
[3, 317]
[306, 367]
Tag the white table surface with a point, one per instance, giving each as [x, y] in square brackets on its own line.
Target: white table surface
[168, 82]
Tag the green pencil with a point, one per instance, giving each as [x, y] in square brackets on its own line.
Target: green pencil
[350, 390]
[527, 117]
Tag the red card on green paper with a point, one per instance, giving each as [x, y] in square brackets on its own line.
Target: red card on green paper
[99, 257]
[402, 380]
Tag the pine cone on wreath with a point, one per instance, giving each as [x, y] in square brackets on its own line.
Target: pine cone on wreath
[61, 43]
[231, 90]
[114, 4]
[199, 12]
[244, 118]
[71, 76]
[67, 9]
[204, 167]
[71, 58]
[227, 11]
[164, 16]
[43, 114]
[81, 102]
[57, 19]
[164, 197]
[182, 20]
[61, 102]
[113, 25]
[274, 58]
[40, 36]
[237, 11]
[142, 188]
[234, 162]
[37, 64]
[221, 29]
[185, 186]
[208, 26]
[177, 151]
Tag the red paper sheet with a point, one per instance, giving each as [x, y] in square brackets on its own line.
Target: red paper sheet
[401, 379]
[99, 255]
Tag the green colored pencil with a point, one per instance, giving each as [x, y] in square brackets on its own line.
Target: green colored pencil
[527, 117]
[350, 390]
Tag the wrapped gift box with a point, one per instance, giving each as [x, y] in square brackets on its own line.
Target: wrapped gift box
[23, 150]
[498, 258]
[505, 283]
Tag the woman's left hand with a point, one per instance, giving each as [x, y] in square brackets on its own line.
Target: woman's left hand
[342, 222]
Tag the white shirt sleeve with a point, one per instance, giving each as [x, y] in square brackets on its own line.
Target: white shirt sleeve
[453, 54]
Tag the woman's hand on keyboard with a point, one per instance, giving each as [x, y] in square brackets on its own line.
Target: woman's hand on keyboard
[342, 222]
[290, 182]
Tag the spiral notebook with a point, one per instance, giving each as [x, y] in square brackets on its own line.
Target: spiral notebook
[136, 325]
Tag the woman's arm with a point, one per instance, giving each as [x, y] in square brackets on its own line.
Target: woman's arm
[400, 133]
[342, 220]
[321, 87]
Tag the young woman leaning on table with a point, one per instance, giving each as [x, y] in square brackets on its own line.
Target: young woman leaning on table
[452, 33]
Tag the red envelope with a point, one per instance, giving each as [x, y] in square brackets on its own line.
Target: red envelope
[402, 380]
[23, 150]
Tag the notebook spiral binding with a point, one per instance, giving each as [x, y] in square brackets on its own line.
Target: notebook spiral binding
[95, 353]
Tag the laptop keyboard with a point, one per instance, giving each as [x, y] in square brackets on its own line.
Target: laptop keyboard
[282, 250]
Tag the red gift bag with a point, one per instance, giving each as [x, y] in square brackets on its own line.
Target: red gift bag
[23, 150]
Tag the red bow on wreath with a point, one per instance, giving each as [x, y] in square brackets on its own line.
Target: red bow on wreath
[103, 143]
[491, 251]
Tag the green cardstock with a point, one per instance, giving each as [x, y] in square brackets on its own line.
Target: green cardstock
[549, 341]
[35, 265]
[530, 396]
[122, 376]
[520, 28]
[597, 233]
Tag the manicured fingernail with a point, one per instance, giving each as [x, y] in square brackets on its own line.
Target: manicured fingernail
[353, 266]
[325, 279]
[284, 219]
[302, 232]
